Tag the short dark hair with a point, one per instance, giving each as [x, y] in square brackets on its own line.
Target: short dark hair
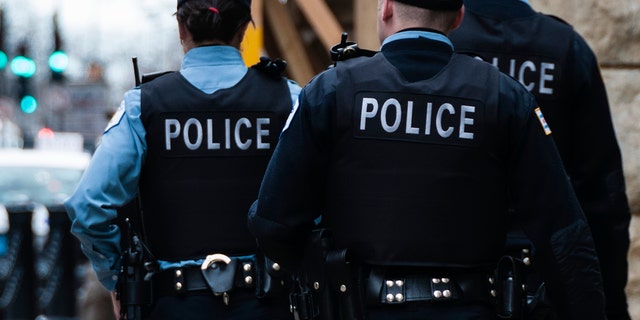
[213, 19]
[245, 2]
[438, 5]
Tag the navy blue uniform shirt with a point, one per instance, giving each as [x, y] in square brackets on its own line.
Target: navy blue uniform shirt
[412, 159]
[556, 64]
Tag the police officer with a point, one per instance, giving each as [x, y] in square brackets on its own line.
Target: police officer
[411, 158]
[555, 63]
[196, 144]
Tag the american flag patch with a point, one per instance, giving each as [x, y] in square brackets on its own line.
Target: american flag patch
[543, 122]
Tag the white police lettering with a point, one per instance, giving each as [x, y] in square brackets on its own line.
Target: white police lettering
[211, 145]
[466, 121]
[410, 129]
[171, 130]
[445, 107]
[187, 127]
[398, 115]
[390, 117]
[536, 75]
[546, 76]
[366, 102]
[236, 134]
[261, 123]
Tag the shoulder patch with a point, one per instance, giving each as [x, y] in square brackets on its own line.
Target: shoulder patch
[291, 114]
[115, 119]
[543, 122]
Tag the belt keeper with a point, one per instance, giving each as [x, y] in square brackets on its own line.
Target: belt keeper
[178, 281]
[395, 292]
[441, 288]
[248, 273]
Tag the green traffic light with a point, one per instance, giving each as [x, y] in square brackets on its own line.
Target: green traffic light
[3, 60]
[23, 67]
[28, 104]
[58, 61]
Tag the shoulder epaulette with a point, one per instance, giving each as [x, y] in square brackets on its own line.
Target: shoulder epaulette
[273, 68]
[154, 75]
[558, 19]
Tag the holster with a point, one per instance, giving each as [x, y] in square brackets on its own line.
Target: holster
[511, 295]
[309, 293]
[134, 286]
[329, 288]
[301, 301]
[272, 280]
[536, 304]
[345, 276]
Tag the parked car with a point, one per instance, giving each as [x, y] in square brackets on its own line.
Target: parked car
[44, 177]
[39, 274]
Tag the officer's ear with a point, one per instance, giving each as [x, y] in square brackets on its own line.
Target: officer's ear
[185, 37]
[239, 36]
[459, 18]
[386, 10]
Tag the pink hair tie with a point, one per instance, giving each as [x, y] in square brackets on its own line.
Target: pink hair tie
[214, 10]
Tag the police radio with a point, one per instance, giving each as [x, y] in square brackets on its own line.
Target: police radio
[145, 77]
[348, 49]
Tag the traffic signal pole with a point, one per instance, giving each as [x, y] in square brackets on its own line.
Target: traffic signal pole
[58, 60]
[24, 68]
[4, 59]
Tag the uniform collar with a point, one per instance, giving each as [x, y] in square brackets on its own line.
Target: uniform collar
[212, 56]
[417, 34]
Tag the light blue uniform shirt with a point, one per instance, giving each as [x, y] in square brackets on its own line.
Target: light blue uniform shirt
[111, 180]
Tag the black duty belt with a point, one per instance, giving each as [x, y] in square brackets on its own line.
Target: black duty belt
[217, 275]
[430, 288]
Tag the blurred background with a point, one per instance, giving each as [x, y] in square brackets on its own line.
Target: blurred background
[65, 65]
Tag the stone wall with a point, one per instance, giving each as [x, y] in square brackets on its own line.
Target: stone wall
[612, 29]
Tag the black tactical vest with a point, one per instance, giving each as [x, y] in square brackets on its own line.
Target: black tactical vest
[426, 159]
[205, 160]
[540, 63]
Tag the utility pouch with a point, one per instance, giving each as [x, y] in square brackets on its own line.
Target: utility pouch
[220, 274]
[509, 286]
